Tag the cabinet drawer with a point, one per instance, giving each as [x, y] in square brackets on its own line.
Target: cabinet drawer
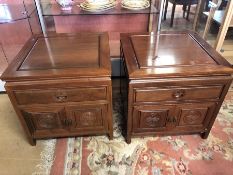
[151, 118]
[40, 96]
[174, 94]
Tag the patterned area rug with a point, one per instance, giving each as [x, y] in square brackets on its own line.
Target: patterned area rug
[181, 155]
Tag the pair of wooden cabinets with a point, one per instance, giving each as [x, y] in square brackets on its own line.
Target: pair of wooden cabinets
[175, 83]
[60, 85]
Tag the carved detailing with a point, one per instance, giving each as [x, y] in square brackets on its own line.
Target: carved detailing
[192, 117]
[150, 118]
[46, 120]
[153, 119]
[88, 118]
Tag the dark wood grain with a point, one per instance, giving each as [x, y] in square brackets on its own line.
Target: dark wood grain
[60, 86]
[174, 87]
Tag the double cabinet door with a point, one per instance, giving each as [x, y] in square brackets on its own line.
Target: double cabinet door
[56, 120]
[185, 117]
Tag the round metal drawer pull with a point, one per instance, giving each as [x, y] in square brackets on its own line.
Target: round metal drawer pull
[61, 98]
[178, 94]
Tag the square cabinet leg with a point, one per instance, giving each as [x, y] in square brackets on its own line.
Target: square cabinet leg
[205, 134]
[128, 139]
[32, 141]
[110, 135]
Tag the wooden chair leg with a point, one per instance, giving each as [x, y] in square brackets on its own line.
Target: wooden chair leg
[198, 12]
[165, 11]
[173, 13]
[188, 11]
[184, 10]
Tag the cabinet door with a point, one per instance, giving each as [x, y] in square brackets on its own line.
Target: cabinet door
[152, 117]
[195, 116]
[44, 120]
[87, 118]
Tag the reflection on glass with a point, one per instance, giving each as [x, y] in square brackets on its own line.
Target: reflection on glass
[5, 12]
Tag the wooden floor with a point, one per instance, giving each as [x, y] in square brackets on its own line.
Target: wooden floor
[182, 24]
[227, 49]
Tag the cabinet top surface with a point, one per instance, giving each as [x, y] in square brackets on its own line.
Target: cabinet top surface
[170, 54]
[79, 55]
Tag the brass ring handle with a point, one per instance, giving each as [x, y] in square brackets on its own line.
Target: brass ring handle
[174, 120]
[171, 120]
[67, 122]
[178, 94]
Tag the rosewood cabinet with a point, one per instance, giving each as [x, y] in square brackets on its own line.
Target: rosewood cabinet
[60, 86]
[175, 83]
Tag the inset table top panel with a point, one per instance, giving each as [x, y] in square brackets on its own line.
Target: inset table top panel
[171, 50]
[80, 55]
[63, 52]
[172, 54]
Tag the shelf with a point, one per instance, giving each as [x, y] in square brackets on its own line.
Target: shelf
[53, 9]
[218, 16]
[14, 12]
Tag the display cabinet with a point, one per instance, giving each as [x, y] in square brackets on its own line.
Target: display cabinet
[18, 21]
[114, 21]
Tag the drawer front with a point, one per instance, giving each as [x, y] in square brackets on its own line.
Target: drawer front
[151, 118]
[45, 120]
[195, 116]
[175, 94]
[87, 118]
[40, 96]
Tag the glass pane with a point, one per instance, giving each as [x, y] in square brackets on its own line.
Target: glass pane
[114, 21]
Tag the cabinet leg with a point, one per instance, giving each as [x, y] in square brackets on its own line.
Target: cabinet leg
[110, 135]
[32, 141]
[165, 11]
[128, 139]
[205, 135]
[173, 13]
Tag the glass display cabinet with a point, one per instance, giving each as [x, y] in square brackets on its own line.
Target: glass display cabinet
[114, 21]
[18, 22]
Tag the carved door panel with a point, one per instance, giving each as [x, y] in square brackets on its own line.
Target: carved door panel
[195, 116]
[152, 118]
[87, 117]
[45, 119]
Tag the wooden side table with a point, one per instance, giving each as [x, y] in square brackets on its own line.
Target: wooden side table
[60, 86]
[175, 84]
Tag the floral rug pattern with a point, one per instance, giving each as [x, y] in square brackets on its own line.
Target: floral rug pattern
[173, 155]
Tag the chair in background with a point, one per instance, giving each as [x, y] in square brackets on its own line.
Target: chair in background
[223, 17]
[185, 3]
